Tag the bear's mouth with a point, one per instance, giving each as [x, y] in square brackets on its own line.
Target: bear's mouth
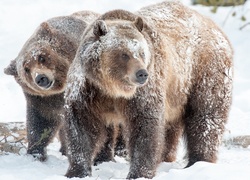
[127, 86]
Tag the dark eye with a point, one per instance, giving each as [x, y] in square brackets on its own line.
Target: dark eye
[125, 57]
[41, 59]
[27, 70]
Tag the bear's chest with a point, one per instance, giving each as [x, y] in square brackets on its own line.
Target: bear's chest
[110, 110]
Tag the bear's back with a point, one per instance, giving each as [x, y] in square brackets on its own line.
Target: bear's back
[69, 26]
[192, 39]
[185, 26]
[72, 26]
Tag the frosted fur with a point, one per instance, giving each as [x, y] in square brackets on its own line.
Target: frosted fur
[57, 40]
[113, 40]
[45, 58]
[75, 80]
[186, 48]
[188, 89]
[192, 28]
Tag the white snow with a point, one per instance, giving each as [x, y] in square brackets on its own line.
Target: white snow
[18, 21]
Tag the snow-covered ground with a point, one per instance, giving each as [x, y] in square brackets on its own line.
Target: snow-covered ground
[18, 20]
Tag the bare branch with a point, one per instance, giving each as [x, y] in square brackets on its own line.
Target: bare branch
[242, 27]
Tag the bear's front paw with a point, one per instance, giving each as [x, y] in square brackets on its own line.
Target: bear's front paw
[40, 155]
[137, 174]
[77, 171]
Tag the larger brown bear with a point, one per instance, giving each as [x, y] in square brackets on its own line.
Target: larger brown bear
[157, 71]
[41, 70]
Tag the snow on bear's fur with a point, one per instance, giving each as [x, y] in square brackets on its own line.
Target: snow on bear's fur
[41, 70]
[160, 72]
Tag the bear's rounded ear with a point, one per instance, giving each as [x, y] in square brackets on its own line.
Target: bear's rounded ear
[45, 30]
[100, 28]
[139, 24]
[11, 69]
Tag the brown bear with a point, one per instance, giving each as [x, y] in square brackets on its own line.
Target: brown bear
[41, 70]
[159, 72]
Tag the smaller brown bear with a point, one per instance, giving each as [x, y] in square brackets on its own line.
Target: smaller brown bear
[157, 71]
[41, 70]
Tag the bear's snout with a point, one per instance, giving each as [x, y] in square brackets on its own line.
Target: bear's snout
[141, 76]
[43, 81]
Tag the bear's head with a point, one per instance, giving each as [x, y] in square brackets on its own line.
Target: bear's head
[115, 56]
[42, 65]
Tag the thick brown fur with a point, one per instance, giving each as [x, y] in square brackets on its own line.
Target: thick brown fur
[160, 72]
[41, 70]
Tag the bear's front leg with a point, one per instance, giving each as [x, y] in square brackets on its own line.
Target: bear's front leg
[146, 142]
[85, 136]
[43, 119]
[173, 133]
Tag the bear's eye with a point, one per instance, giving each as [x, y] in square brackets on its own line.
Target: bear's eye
[27, 70]
[41, 59]
[125, 57]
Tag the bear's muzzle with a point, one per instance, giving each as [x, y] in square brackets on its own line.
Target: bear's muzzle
[43, 81]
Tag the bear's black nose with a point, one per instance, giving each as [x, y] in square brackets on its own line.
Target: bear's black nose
[141, 76]
[42, 81]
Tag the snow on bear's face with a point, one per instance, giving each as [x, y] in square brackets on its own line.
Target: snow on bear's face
[44, 70]
[123, 57]
[39, 68]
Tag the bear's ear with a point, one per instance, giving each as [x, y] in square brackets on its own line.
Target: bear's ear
[139, 24]
[44, 30]
[100, 28]
[11, 69]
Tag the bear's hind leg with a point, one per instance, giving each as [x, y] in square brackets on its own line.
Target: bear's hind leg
[62, 138]
[172, 138]
[205, 117]
[107, 152]
[120, 143]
